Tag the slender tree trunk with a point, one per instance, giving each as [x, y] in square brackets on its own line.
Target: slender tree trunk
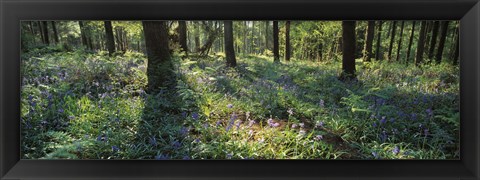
[379, 34]
[410, 42]
[276, 55]
[39, 24]
[109, 35]
[390, 49]
[287, 41]
[441, 43]
[197, 37]
[434, 39]
[182, 32]
[228, 37]
[400, 41]
[369, 41]
[266, 35]
[159, 70]
[348, 52]
[45, 32]
[421, 41]
[55, 33]
[83, 34]
[457, 48]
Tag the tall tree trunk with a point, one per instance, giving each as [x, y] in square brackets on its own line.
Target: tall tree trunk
[276, 54]
[348, 55]
[45, 32]
[55, 33]
[369, 41]
[410, 42]
[160, 68]
[228, 37]
[287, 41]
[390, 49]
[109, 35]
[39, 24]
[400, 41]
[197, 37]
[421, 41]
[266, 35]
[441, 43]
[182, 32]
[457, 48]
[83, 34]
[434, 39]
[379, 34]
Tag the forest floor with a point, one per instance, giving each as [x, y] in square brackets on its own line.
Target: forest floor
[79, 105]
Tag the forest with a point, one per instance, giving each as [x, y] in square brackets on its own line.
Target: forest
[190, 90]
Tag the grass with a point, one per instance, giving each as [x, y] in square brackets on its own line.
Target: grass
[84, 105]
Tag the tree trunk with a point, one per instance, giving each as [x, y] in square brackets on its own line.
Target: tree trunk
[287, 41]
[390, 48]
[379, 34]
[421, 41]
[400, 41]
[410, 42]
[197, 37]
[348, 55]
[276, 55]
[55, 33]
[441, 43]
[160, 68]
[109, 35]
[369, 41]
[182, 32]
[266, 35]
[457, 48]
[45, 32]
[434, 39]
[228, 37]
[39, 24]
[83, 34]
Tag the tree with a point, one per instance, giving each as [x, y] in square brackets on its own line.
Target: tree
[410, 41]
[266, 35]
[55, 33]
[83, 34]
[287, 41]
[441, 43]
[348, 52]
[394, 27]
[182, 32]
[434, 39]
[457, 48]
[160, 68]
[369, 41]
[400, 41]
[109, 35]
[45, 32]
[228, 37]
[379, 34]
[421, 41]
[276, 55]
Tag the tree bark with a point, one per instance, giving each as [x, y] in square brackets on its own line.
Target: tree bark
[160, 68]
[400, 41]
[83, 34]
[434, 39]
[348, 52]
[421, 41]
[441, 43]
[182, 32]
[369, 41]
[276, 55]
[228, 37]
[379, 34]
[55, 33]
[287, 41]
[410, 42]
[45, 32]
[110, 39]
[390, 49]
[266, 35]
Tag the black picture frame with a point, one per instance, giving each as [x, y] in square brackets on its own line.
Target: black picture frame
[13, 11]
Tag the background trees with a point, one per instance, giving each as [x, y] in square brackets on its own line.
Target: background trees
[229, 51]
[348, 58]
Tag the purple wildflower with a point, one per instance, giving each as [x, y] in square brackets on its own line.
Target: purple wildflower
[229, 156]
[152, 141]
[374, 124]
[197, 140]
[250, 123]
[396, 150]
[429, 112]
[162, 157]
[318, 137]
[230, 106]
[115, 148]
[186, 157]
[375, 155]
[61, 110]
[176, 144]
[383, 120]
[71, 117]
[294, 126]
[195, 116]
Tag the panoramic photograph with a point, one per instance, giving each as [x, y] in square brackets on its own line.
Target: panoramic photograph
[240, 90]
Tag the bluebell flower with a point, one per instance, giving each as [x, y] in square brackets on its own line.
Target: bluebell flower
[206, 125]
[184, 131]
[102, 137]
[429, 112]
[197, 140]
[250, 123]
[302, 125]
[374, 124]
[184, 114]
[396, 150]
[414, 116]
[392, 120]
[71, 117]
[195, 116]
[61, 110]
[186, 157]
[383, 136]
[318, 137]
[294, 126]
[302, 132]
[115, 148]
[383, 120]
[218, 123]
[230, 106]
[162, 157]
[152, 141]
[229, 156]
[375, 155]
